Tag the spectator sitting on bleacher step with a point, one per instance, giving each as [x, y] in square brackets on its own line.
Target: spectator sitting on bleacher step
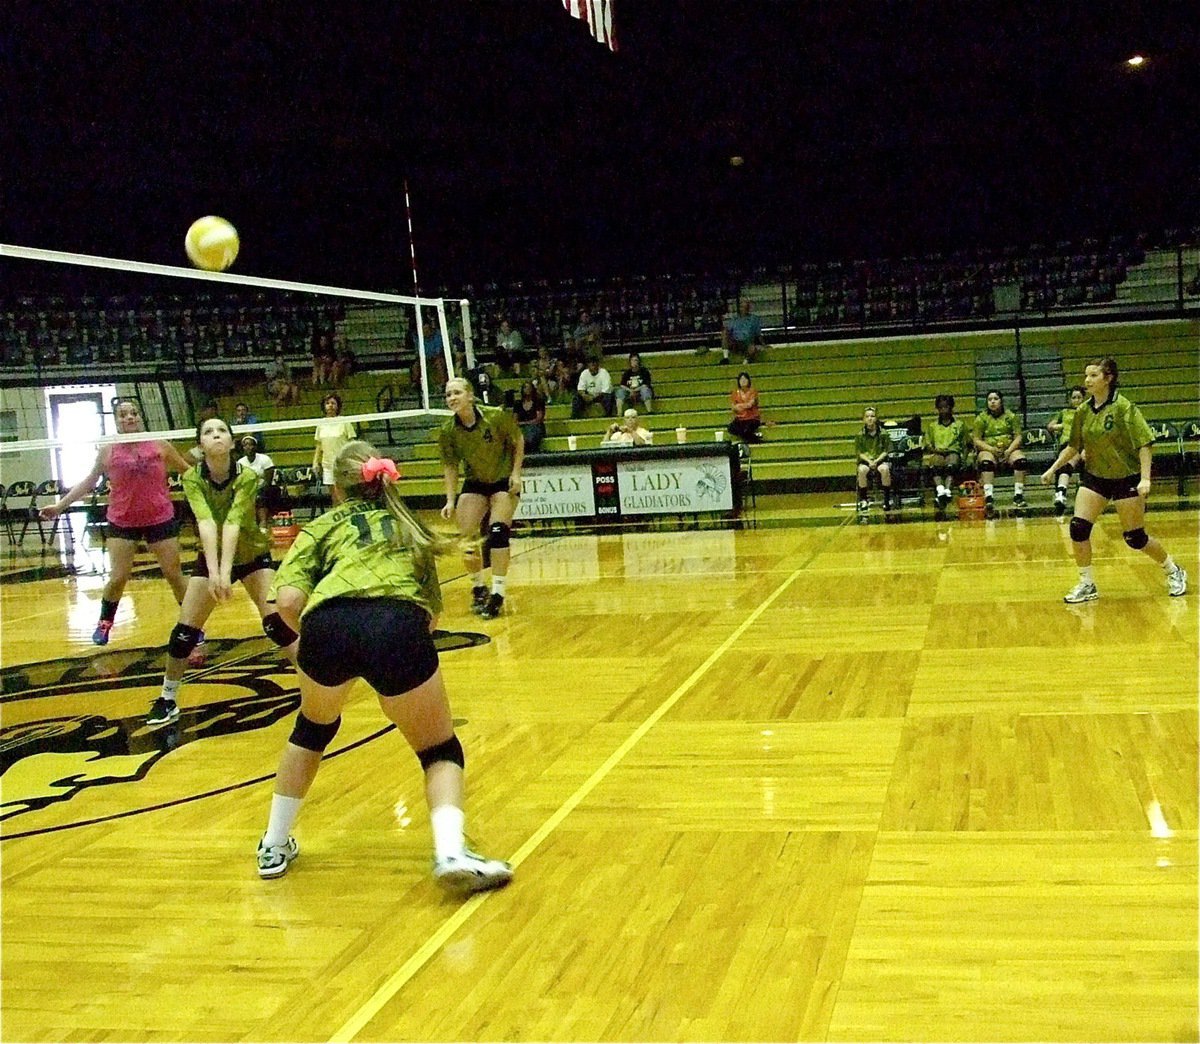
[595, 386]
[742, 332]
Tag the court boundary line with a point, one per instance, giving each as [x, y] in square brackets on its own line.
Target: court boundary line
[400, 978]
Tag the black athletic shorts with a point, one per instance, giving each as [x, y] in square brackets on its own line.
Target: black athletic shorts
[1112, 489]
[384, 641]
[485, 489]
[239, 572]
[151, 534]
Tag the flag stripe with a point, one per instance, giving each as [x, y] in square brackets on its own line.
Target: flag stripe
[597, 15]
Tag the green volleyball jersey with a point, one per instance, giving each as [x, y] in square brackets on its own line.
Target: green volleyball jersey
[486, 450]
[947, 438]
[1065, 417]
[348, 552]
[1111, 437]
[997, 431]
[230, 504]
[867, 445]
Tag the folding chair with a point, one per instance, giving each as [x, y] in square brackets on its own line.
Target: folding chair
[12, 512]
[51, 489]
[1168, 444]
[1189, 436]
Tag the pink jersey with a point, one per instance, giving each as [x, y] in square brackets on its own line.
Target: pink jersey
[137, 485]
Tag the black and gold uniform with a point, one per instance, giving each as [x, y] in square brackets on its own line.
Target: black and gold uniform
[486, 450]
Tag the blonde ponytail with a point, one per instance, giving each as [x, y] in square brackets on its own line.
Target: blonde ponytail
[348, 477]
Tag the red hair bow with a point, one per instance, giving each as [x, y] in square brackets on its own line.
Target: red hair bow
[373, 467]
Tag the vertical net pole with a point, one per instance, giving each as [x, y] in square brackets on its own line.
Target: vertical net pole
[421, 359]
[468, 339]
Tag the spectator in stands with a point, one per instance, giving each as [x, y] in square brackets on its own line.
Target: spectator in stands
[510, 348]
[343, 367]
[595, 385]
[1060, 427]
[871, 449]
[478, 375]
[1119, 447]
[435, 357]
[997, 438]
[746, 418]
[635, 386]
[547, 375]
[332, 434]
[280, 385]
[944, 450]
[243, 418]
[586, 338]
[530, 409]
[324, 359]
[742, 333]
[267, 501]
[629, 431]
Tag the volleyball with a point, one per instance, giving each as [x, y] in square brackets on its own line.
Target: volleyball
[211, 243]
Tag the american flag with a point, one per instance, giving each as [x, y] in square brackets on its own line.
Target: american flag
[599, 17]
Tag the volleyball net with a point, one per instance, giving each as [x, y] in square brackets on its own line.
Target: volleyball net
[78, 332]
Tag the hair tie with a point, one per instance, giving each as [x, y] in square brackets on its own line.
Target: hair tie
[374, 467]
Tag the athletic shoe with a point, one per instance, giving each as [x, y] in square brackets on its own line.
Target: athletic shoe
[942, 501]
[989, 507]
[1081, 592]
[493, 608]
[100, 634]
[864, 506]
[470, 872]
[1019, 501]
[274, 860]
[1060, 506]
[199, 655]
[723, 361]
[162, 712]
[479, 598]
[1176, 582]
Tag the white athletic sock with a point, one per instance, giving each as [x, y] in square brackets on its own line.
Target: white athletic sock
[447, 823]
[170, 689]
[1169, 565]
[1018, 488]
[988, 489]
[477, 579]
[498, 584]
[724, 353]
[284, 811]
[1060, 493]
[941, 490]
[1085, 574]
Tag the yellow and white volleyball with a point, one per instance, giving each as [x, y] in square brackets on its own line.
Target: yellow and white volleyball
[211, 243]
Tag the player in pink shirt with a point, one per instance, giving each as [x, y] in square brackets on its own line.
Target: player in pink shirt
[139, 509]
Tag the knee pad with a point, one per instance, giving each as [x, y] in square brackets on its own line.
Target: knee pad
[1081, 529]
[1136, 538]
[1066, 469]
[497, 538]
[449, 750]
[279, 632]
[312, 736]
[184, 638]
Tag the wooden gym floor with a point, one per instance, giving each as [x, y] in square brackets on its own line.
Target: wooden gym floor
[810, 781]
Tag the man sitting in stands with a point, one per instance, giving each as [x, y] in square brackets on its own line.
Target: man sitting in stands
[595, 385]
[635, 386]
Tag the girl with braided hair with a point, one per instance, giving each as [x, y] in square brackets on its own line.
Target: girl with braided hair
[360, 585]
